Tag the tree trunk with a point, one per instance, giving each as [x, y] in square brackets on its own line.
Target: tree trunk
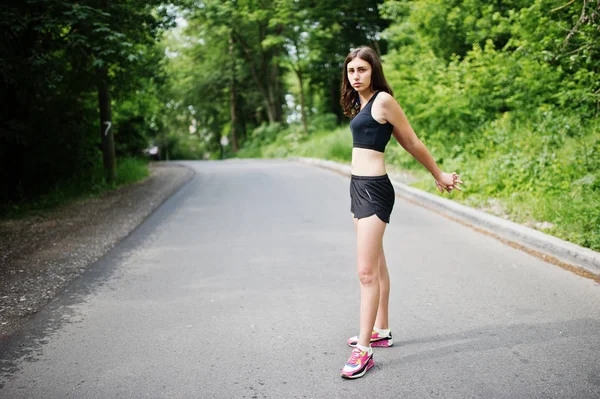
[269, 109]
[276, 101]
[261, 76]
[106, 132]
[302, 109]
[234, 117]
[241, 118]
[271, 83]
[233, 100]
[334, 101]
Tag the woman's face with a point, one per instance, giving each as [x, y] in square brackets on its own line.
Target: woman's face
[359, 74]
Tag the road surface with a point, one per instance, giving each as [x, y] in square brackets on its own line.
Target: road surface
[243, 285]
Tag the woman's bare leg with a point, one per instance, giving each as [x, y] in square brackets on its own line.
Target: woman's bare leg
[381, 321]
[369, 237]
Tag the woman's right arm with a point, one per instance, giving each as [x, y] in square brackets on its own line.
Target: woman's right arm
[406, 137]
[415, 147]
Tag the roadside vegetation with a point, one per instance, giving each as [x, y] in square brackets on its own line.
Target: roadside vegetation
[82, 89]
[565, 203]
[507, 93]
[128, 171]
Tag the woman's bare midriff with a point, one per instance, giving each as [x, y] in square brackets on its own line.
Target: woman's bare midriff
[367, 162]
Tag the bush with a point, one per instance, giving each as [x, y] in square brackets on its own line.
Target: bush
[128, 170]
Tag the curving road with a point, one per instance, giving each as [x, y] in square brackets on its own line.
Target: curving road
[242, 285]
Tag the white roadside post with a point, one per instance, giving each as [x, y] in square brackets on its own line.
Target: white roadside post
[224, 143]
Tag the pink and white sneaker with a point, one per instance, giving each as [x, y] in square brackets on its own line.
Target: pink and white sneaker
[377, 340]
[359, 363]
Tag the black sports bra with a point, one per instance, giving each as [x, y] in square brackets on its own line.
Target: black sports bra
[367, 132]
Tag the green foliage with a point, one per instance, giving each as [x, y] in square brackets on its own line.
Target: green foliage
[129, 170]
[322, 122]
[232, 65]
[324, 141]
[261, 137]
[130, 138]
[505, 92]
[48, 65]
[187, 147]
[503, 98]
[500, 93]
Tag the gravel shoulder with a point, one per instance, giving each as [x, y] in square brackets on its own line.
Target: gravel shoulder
[41, 255]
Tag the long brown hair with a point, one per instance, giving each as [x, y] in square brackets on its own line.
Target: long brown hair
[349, 100]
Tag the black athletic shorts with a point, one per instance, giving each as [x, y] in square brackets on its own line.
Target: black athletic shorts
[372, 195]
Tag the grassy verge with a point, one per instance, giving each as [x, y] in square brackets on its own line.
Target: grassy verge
[510, 171]
[129, 170]
[325, 140]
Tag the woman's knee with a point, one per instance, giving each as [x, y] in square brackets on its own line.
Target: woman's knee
[368, 274]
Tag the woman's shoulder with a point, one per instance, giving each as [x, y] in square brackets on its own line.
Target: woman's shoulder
[384, 98]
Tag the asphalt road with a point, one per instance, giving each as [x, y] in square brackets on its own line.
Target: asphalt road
[243, 285]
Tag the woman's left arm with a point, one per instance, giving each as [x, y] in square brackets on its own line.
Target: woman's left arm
[406, 137]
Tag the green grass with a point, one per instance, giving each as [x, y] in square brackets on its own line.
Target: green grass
[129, 170]
[573, 215]
[335, 145]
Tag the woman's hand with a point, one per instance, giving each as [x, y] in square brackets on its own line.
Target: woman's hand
[448, 182]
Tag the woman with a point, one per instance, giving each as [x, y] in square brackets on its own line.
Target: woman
[376, 115]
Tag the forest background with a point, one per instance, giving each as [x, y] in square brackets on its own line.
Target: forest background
[505, 92]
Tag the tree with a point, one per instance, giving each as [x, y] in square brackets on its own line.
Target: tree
[337, 27]
[59, 61]
[113, 35]
[247, 23]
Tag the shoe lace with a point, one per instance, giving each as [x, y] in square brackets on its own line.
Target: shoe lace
[356, 354]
